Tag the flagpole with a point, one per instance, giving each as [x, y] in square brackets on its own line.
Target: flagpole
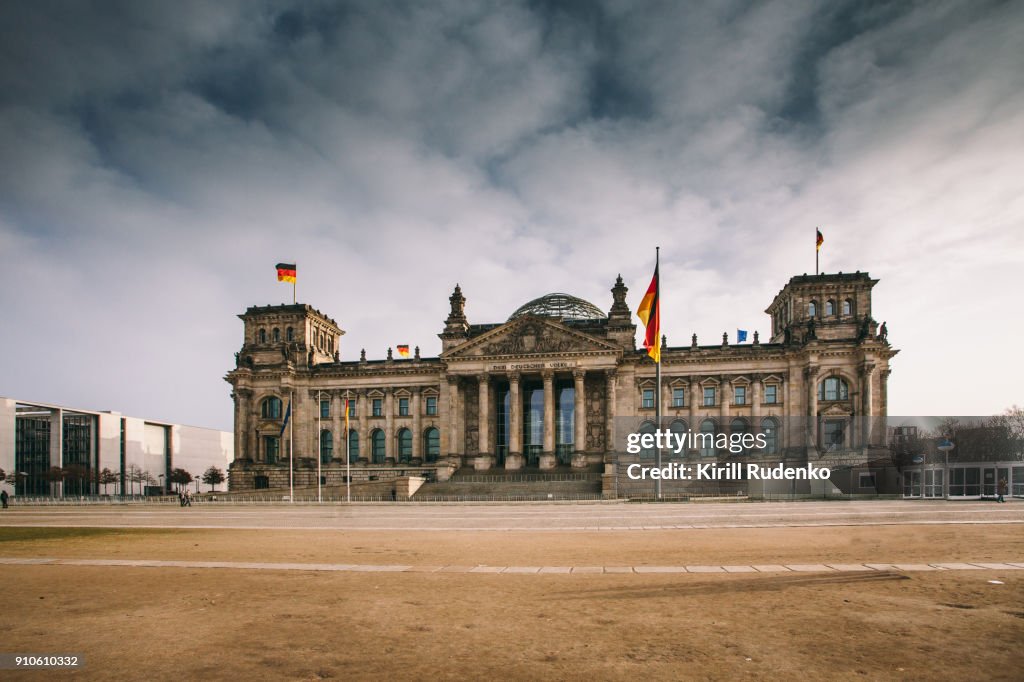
[657, 369]
[348, 456]
[319, 447]
[295, 284]
[817, 250]
[291, 453]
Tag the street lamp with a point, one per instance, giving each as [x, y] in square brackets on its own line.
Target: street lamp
[161, 477]
[945, 445]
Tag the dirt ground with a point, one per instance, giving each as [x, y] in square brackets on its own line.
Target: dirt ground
[184, 623]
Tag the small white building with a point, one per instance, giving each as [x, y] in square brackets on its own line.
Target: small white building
[82, 444]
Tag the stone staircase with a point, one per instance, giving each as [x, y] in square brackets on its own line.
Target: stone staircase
[523, 485]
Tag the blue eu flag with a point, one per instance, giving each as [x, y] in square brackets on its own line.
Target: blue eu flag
[741, 335]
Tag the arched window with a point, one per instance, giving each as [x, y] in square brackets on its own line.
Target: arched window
[678, 428]
[326, 447]
[645, 428]
[737, 430]
[830, 308]
[404, 445]
[707, 438]
[262, 335]
[377, 446]
[812, 309]
[833, 388]
[432, 444]
[289, 334]
[353, 445]
[276, 335]
[847, 307]
[770, 427]
[271, 408]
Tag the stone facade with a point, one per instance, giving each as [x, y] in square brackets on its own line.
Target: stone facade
[555, 386]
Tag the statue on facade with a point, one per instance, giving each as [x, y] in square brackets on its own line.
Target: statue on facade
[883, 333]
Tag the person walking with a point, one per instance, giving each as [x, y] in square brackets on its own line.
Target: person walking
[4, 497]
[1003, 486]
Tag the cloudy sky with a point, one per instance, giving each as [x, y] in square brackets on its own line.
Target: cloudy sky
[157, 159]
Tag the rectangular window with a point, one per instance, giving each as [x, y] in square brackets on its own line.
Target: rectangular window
[378, 407]
[867, 481]
[833, 436]
[709, 396]
[351, 408]
[739, 394]
[648, 398]
[403, 407]
[771, 394]
[431, 405]
[325, 409]
[678, 397]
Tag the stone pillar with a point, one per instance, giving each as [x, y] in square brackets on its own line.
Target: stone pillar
[514, 459]
[695, 400]
[417, 435]
[243, 403]
[867, 410]
[579, 416]
[609, 410]
[547, 458]
[363, 420]
[484, 419]
[724, 397]
[811, 389]
[455, 440]
[389, 427]
[755, 405]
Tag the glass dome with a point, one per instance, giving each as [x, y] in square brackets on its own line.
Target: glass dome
[562, 306]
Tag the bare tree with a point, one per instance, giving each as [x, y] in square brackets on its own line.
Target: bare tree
[54, 475]
[107, 477]
[180, 477]
[133, 474]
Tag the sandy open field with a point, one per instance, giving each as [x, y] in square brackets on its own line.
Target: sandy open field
[426, 623]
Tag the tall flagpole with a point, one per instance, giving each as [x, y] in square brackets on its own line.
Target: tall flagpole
[817, 250]
[348, 455]
[657, 368]
[319, 447]
[295, 284]
[291, 451]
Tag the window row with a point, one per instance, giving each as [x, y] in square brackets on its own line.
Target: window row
[831, 309]
[271, 407]
[710, 396]
[431, 446]
[320, 339]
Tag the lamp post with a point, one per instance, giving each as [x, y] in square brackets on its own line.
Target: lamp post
[161, 477]
[945, 445]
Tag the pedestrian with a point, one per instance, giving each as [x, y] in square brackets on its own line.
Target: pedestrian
[3, 498]
[1002, 491]
[188, 499]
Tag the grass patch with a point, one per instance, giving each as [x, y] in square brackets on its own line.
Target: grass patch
[23, 534]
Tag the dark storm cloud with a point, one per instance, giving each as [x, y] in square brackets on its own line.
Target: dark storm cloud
[159, 158]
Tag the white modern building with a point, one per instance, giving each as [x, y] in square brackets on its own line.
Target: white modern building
[55, 450]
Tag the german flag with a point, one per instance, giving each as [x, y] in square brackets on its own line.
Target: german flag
[819, 240]
[649, 313]
[286, 272]
[403, 350]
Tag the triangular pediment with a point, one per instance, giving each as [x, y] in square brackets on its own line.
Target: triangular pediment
[530, 336]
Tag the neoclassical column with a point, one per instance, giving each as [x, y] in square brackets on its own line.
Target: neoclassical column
[337, 399]
[724, 396]
[389, 426]
[243, 400]
[484, 418]
[362, 416]
[755, 405]
[579, 412]
[811, 389]
[417, 436]
[455, 443]
[515, 415]
[867, 371]
[549, 411]
[609, 410]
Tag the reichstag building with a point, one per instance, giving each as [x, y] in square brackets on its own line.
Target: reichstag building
[554, 388]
